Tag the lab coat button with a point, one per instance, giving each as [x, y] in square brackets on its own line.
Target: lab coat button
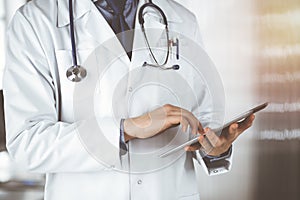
[130, 89]
[139, 182]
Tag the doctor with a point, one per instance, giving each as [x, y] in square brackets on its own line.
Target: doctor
[45, 136]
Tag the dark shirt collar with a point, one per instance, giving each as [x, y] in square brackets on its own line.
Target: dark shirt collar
[129, 11]
[105, 6]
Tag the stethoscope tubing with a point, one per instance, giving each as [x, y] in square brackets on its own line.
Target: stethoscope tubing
[150, 4]
[72, 34]
[165, 21]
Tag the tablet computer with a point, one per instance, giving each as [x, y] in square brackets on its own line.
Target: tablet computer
[236, 119]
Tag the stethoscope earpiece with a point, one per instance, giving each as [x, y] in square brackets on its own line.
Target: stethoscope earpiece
[76, 73]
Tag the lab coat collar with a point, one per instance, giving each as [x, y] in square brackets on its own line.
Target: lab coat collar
[80, 7]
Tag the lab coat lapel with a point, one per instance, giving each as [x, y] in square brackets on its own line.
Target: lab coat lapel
[171, 14]
[101, 32]
[80, 8]
[95, 25]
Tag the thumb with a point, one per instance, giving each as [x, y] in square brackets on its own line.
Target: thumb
[233, 129]
[193, 147]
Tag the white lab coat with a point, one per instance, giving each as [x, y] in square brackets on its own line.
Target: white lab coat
[44, 133]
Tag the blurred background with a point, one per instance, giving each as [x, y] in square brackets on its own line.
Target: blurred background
[255, 46]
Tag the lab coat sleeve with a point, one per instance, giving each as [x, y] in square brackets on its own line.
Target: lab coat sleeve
[214, 167]
[36, 139]
[208, 117]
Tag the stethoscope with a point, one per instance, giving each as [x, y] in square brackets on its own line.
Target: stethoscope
[76, 73]
[169, 42]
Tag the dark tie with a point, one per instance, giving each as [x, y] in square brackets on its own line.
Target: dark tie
[119, 24]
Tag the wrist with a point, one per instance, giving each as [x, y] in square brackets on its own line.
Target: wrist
[128, 137]
[135, 127]
[128, 130]
[222, 155]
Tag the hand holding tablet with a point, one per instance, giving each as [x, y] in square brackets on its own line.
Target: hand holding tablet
[226, 125]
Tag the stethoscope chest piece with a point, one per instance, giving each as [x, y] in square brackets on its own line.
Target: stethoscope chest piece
[76, 73]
